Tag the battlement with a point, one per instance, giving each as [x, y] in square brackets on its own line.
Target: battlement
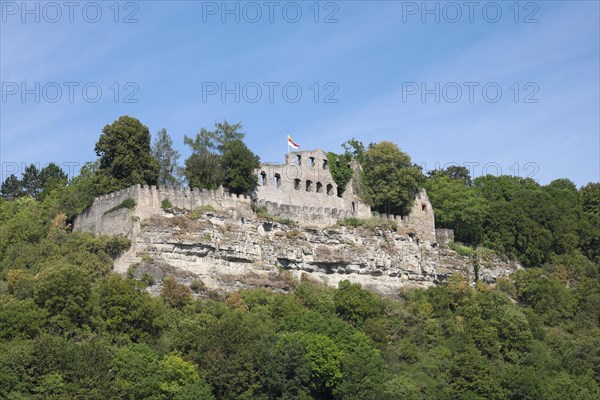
[148, 200]
[302, 189]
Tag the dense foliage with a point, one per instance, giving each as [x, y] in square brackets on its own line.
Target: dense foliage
[72, 329]
[518, 217]
[340, 169]
[220, 157]
[124, 153]
[69, 329]
[391, 180]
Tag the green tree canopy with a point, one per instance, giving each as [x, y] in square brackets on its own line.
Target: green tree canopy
[167, 157]
[391, 180]
[125, 153]
[220, 157]
[11, 188]
[239, 164]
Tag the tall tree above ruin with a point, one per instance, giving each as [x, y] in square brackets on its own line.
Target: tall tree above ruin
[167, 157]
[392, 180]
[124, 151]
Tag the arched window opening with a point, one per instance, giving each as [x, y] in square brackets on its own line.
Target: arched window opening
[263, 178]
[277, 181]
[309, 186]
[329, 189]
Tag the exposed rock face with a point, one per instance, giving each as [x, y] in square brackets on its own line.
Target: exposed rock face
[228, 253]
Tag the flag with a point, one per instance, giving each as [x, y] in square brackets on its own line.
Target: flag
[292, 143]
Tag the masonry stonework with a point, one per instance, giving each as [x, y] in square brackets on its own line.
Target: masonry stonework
[304, 180]
[234, 248]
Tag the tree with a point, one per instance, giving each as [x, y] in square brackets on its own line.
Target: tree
[204, 169]
[355, 148]
[341, 171]
[238, 163]
[137, 372]
[167, 157]
[31, 181]
[52, 177]
[457, 207]
[125, 154]
[175, 294]
[590, 194]
[225, 132]
[454, 172]
[11, 188]
[123, 310]
[391, 180]
[64, 291]
[355, 304]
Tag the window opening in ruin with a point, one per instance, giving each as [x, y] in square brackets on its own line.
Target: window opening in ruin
[277, 181]
[340, 191]
[319, 187]
[311, 162]
[298, 159]
[263, 178]
[353, 207]
[309, 186]
[325, 166]
[297, 184]
[423, 207]
[329, 189]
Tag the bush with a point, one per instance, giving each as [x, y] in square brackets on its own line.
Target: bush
[127, 203]
[262, 212]
[166, 204]
[466, 251]
[197, 285]
[147, 279]
[199, 211]
[368, 223]
[175, 294]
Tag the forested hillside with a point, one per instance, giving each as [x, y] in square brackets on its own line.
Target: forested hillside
[71, 329]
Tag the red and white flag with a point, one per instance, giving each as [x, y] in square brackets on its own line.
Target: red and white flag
[292, 143]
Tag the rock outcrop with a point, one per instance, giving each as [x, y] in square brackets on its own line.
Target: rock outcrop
[222, 251]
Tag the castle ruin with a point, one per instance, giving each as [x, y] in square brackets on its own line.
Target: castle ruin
[302, 189]
[233, 245]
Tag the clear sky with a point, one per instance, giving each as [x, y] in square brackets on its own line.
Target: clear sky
[511, 87]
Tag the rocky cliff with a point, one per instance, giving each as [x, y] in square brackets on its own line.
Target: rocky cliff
[223, 251]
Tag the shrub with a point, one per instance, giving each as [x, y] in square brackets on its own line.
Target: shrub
[197, 285]
[262, 212]
[166, 204]
[127, 203]
[199, 211]
[368, 223]
[147, 279]
[175, 294]
[466, 251]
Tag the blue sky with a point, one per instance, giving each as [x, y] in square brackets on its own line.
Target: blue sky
[426, 79]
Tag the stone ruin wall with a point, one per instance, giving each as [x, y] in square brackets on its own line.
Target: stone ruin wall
[148, 200]
[283, 190]
[304, 181]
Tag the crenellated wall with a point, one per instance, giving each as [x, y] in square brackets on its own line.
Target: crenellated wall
[148, 200]
[304, 215]
[302, 190]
